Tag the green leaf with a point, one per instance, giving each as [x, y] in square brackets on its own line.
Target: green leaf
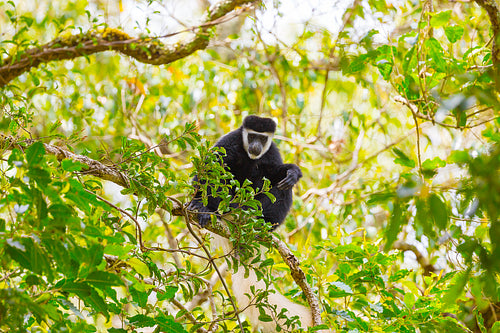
[394, 226]
[55, 126]
[385, 68]
[41, 176]
[424, 220]
[480, 321]
[17, 252]
[101, 279]
[60, 212]
[13, 127]
[40, 204]
[459, 156]
[461, 117]
[87, 294]
[440, 19]
[34, 153]
[27, 20]
[139, 266]
[119, 250]
[356, 65]
[433, 164]
[402, 159]
[265, 317]
[140, 297]
[33, 257]
[496, 327]
[169, 293]
[33, 280]
[439, 211]
[141, 320]
[168, 324]
[79, 288]
[71, 165]
[35, 78]
[267, 262]
[454, 33]
[39, 258]
[339, 289]
[95, 253]
[436, 54]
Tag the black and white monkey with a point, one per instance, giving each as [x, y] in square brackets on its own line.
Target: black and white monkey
[251, 154]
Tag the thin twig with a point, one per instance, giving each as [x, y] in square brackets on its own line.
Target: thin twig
[279, 82]
[346, 19]
[187, 314]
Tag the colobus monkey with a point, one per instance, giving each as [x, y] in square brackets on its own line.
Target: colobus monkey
[251, 154]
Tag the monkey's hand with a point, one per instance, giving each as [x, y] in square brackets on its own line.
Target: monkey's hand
[203, 216]
[293, 175]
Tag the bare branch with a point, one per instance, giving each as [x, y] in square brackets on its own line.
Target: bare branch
[423, 261]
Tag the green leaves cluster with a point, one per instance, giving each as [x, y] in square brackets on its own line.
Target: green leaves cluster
[64, 244]
[379, 296]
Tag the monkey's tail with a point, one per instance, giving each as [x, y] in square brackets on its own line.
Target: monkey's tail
[242, 290]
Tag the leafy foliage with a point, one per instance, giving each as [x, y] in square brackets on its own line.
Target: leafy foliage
[392, 115]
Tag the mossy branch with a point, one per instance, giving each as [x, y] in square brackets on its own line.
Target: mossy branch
[147, 50]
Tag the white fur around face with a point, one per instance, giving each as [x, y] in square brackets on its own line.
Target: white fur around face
[269, 135]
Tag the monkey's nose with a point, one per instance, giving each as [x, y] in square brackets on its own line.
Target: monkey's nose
[255, 149]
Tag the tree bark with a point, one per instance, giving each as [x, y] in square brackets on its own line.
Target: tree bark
[148, 50]
[493, 10]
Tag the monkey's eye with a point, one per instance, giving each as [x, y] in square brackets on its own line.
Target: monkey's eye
[262, 138]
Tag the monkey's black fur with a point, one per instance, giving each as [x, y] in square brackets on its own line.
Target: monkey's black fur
[259, 124]
[270, 165]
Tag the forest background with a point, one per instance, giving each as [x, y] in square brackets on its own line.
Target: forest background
[390, 108]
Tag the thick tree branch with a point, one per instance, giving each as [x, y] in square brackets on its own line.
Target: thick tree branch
[299, 277]
[421, 259]
[94, 167]
[147, 50]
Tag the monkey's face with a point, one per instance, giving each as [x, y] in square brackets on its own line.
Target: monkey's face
[256, 143]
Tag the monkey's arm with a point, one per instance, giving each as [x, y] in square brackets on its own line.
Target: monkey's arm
[281, 175]
[293, 174]
[204, 212]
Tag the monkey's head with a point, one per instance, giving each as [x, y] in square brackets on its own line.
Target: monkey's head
[258, 135]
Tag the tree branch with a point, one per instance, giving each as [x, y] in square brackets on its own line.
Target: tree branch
[493, 10]
[421, 259]
[147, 50]
[299, 277]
